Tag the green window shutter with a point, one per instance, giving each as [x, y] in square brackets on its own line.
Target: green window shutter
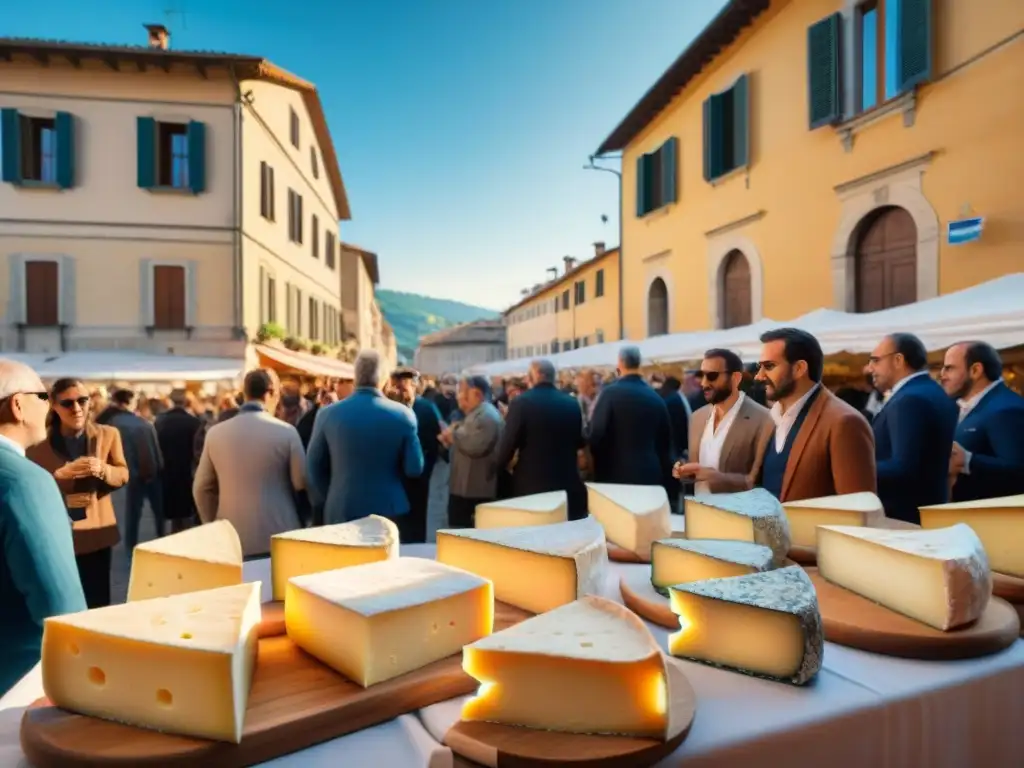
[145, 128]
[65, 124]
[196, 157]
[914, 42]
[10, 129]
[641, 186]
[716, 131]
[824, 71]
[669, 165]
[741, 122]
[707, 140]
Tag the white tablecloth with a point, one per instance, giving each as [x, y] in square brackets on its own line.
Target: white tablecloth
[862, 711]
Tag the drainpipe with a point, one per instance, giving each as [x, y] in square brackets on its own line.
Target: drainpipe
[236, 191]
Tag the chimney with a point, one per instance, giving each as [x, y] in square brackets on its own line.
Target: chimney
[524, 292]
[598, 248]
[159, 36]
[535, 288]
[570, 262]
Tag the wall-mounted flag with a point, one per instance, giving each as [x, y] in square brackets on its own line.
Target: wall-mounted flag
[964, 231]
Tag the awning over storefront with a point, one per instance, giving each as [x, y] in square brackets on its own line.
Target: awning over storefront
[137, 367]
[302, 363]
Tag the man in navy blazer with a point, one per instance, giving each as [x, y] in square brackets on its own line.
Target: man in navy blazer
[362, 450]
[913, 430]
[987, 459]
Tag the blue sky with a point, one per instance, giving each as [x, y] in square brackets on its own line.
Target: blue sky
[461, 125]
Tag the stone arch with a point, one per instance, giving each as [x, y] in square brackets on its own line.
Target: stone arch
[658, 306]
[720, 249]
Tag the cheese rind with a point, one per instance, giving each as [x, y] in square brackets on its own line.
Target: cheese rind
[181, 664]
[764, 624]
[938, 577]
[679, 561]
[855, 509]
[633, 516]
[999, 524]
[587, 667]
[381, 620]
[205, 557]
[753, 515]
[536, 509]
[536, 568]
[329, 547]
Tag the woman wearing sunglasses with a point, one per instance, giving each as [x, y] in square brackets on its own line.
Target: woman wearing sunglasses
[87, 461]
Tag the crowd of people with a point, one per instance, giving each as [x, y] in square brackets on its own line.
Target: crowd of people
[271, 460]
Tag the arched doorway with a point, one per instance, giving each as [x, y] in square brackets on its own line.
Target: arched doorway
[737, 309]
[657, 308]
[885, 259]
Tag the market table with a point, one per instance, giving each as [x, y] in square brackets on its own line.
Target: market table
[861, 710]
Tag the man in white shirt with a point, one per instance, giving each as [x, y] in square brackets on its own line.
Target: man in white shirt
[725, 433]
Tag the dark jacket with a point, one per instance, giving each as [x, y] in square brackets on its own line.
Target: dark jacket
[428, 427]
[176, 431]
[993, 432]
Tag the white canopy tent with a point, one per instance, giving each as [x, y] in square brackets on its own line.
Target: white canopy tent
[136, 367]
[992, 312]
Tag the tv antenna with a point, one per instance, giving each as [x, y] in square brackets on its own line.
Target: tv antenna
[176, 9]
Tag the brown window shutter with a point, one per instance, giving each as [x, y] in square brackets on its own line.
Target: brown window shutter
[169, 297]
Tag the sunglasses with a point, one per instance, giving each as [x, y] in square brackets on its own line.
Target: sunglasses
[69, 403]
[712, 376]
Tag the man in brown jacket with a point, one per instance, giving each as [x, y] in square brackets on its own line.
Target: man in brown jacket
[820, 445]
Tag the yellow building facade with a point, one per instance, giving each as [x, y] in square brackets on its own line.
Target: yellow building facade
[576, 309]
[812, 154]
[145, 201]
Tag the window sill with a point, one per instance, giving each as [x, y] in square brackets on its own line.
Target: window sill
[905, 104]
[33, 327]
[52, 186]
[170, 190]
[737, 171]
[657, 213]
[152, 330]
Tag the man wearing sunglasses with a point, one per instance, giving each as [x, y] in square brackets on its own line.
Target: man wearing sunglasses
[38, 575]
[725, 433]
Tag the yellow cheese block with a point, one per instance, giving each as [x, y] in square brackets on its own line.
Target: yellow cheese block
[328, 547]
[754, 515]
[378, 621]
[536, 568]
[587, 667]
[864, 509]
[678, 561]
[633, 516]
[765, 624]
[205, 557]
[999, 524]
[536, 509]
[939, 577]
[181, 664]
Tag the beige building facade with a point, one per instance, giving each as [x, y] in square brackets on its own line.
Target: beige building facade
[361, 317]
[454, 349]
[162, 201]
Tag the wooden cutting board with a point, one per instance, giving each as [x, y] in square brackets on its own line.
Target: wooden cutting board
[504, 746]
[852, 620]
[295, 702]
[808, 556]
[272, 623]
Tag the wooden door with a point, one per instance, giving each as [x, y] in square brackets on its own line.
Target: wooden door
[736, 294]
[657, 308]
[886, 261]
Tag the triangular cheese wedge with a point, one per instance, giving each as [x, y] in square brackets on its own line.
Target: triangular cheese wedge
[765, 624]
[328, 547]
[536, 568]
[205, 557]
[181, 664]
[999, 524]
[940, 577]
[633, 516]
[753, 515]
[806, 515]
[536, 509]
[587, 667]
[678, 561]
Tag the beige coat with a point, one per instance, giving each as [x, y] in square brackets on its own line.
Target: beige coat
[740, 450]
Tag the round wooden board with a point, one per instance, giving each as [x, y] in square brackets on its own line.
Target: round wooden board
[808, 556]
[621, 555]
[851, 620]
[506, 746]
[295, 703]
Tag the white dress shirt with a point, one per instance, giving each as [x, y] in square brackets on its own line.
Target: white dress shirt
[966, 406]
[711, 442]
[784, 421]
[899, 385]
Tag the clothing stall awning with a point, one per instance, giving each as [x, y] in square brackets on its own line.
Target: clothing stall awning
[135, 367]
[302, 363]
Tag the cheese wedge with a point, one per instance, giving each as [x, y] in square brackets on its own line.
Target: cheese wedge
[754, 515]
[205, 557]
[536, 568]
[587, 667]
[379, 621]
[804, 516]
[181, 664]
[312, 550]
[939, 577]
[537, 509]
[999, 524]
[764, 624]
[679, 561]
[633, 516]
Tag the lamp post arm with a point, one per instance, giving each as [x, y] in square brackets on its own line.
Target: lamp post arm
[591, 167]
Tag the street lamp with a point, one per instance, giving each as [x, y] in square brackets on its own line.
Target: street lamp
[591, 167]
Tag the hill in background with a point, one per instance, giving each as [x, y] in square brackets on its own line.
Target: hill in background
[412, 316]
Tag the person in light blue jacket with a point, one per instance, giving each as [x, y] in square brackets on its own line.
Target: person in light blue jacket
[361, 451]
[38, 575]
